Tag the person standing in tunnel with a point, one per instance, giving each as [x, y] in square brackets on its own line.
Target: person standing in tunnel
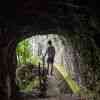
[50, 52]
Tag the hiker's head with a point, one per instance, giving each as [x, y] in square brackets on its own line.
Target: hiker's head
[50, 42]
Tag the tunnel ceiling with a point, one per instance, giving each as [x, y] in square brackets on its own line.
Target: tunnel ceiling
[49, 12]
[50, 15]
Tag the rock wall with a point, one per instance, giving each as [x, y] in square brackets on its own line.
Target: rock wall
[82, 54]
[87, 54]
[7, 68]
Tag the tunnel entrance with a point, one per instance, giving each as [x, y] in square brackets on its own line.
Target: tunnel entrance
[30, 61]
[77, 20]
[74, 69]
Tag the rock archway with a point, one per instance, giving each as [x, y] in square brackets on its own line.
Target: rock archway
[79, 42]
[76, 19]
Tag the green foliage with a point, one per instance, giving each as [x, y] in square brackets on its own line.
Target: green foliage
[24, 78]
[35, 60]
[24, 52]
[32, 84]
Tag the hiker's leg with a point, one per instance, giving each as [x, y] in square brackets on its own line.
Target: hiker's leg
[52, 62]
[48, 68]
[52, 69]
[48, 62]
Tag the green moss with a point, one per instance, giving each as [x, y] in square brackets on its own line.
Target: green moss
[72, 84]
[31, 85]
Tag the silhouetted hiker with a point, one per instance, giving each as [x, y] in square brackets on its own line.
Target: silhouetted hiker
[50, 52]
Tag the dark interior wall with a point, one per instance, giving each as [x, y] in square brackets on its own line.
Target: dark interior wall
[7, 63]
[17, 8]
[7, 69]
[7, 8]
[31, 7]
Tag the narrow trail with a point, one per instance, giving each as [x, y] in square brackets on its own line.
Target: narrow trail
[52, 89]
[53, 92]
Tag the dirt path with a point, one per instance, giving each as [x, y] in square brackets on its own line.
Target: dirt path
[52, 89]
[53, 92]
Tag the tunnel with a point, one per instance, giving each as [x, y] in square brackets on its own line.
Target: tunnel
[77, 22]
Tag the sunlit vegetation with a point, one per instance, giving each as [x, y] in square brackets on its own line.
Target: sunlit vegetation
[26, 61]
[25, 53]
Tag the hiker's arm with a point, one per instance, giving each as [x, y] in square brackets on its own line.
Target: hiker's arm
[54, 51]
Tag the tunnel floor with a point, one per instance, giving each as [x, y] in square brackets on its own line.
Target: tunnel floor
[52, 93]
